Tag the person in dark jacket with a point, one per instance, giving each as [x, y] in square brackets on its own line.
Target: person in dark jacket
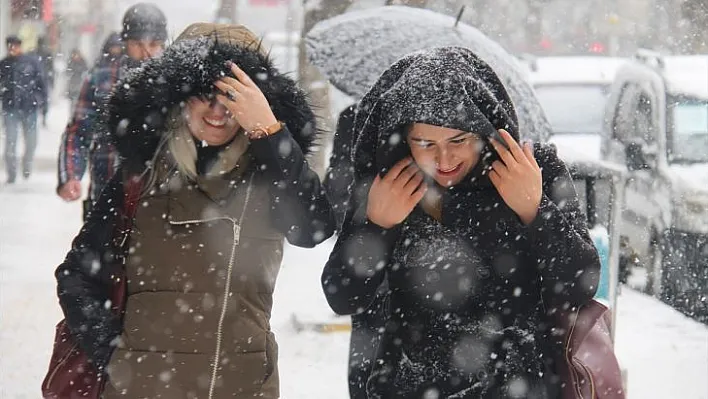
[480, 239]
[338, 176]
[221, 149]
[45, 57]
[23, 92]
[86, 141]
[76, 70]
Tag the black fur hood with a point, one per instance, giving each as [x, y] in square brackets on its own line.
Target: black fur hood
[138, 108]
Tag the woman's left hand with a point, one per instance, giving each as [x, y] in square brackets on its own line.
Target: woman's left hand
[518, 178]
[245, 100]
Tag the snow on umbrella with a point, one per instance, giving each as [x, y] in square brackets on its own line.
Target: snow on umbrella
[353, 49]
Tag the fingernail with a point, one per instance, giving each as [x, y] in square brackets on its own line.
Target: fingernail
[228, 63]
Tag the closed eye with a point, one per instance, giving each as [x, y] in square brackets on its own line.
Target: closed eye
[423, 143]
[462, 138]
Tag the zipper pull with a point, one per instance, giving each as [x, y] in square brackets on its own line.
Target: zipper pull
[237, 232]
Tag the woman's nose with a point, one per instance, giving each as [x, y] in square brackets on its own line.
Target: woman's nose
[217, 109]
[442, 156]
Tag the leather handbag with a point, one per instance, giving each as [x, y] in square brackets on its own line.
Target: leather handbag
[70, 374]
[589, 368]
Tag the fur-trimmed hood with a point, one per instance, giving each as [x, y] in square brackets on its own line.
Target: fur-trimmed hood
[138, 108]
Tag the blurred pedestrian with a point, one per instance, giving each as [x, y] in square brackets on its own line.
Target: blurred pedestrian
[480, 239]
[219, 137]
[23, 92]
[76, 71]
[86, 141]
[45, 57]
[112, 49]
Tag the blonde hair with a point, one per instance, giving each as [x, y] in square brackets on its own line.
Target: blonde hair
[178, 150]
[180, 144]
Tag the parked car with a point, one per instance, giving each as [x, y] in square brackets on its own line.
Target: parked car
[656, 123]
[573, 92]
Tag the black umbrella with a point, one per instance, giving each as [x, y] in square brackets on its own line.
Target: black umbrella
[353, 49]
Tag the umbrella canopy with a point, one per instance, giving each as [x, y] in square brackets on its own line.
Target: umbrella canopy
[353, 49]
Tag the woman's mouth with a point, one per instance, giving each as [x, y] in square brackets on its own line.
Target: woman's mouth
[450, 171]
[215, 122]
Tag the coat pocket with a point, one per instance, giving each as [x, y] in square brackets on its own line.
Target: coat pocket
[271, 357]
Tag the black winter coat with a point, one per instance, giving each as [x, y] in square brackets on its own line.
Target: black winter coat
[341, 168]
[468, 296]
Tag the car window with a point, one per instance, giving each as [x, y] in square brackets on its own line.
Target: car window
[689, 131]
[573, 108]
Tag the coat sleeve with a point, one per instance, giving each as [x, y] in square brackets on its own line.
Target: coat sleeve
[568, 261]
[76, 140]
[301, 207]
[341, 168]
[84, 279]
[357, 265]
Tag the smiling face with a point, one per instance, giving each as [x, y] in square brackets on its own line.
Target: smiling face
[447, 155]
[209, 121]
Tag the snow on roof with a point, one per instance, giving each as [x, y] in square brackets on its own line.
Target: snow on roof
[575, 69]
[687, 74]
[582, 153]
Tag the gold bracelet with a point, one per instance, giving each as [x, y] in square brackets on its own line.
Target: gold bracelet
[260, 132]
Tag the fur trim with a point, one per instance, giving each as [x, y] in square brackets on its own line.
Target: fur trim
[139, 105]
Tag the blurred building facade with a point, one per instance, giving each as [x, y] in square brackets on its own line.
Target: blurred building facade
[613, 27]
[28, 19]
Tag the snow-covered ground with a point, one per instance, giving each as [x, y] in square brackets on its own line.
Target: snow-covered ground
[665, 353]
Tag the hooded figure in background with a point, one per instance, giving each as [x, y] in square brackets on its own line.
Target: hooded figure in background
[76, 71]
[479, 238]
[112, 49]
[219, 137]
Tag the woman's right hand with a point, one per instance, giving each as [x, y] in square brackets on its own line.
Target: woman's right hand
[393, 197]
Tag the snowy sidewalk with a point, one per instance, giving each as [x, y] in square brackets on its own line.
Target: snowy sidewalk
[665, 353]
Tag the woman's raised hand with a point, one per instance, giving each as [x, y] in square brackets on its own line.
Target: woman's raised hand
[245, 100]
[393, 197]
[517, 177]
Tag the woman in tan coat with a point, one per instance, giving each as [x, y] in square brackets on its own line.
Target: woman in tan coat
[218, 137]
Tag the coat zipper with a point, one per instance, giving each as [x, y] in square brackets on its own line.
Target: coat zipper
[227, 286]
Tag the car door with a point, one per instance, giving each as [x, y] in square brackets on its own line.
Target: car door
[642, 209]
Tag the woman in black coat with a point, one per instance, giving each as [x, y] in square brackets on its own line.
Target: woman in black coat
[480, 239]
